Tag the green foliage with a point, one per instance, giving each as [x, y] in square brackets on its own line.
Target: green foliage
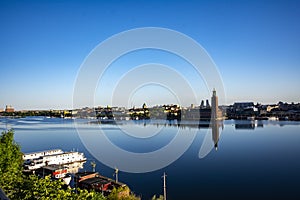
[11, 156]
[122, 193]
[47, 189]
[161, 197]
[10, 164]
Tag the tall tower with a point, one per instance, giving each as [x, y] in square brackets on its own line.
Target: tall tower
[214, 106]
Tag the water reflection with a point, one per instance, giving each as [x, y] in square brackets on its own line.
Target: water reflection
[212, 137]
[245, 125]
[248, 124]
[212, 127]
[215, 125]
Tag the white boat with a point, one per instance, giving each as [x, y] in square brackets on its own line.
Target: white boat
[74, 167]
[37, 160]
[29, 156]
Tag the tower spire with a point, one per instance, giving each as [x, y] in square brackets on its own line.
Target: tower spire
[214, 105]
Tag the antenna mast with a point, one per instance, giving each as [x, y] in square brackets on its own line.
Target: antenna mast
[165, 187]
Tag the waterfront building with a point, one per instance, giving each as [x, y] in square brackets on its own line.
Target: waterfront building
[173, 112]
[243, 106]
[242, 110]
[9, 109]
[207, 103]
[202, 104]
[94, 181]
[139, 113]
[212, 112]
[191, 114]
[104, 113]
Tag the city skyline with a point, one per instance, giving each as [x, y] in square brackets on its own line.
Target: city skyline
[255, 46]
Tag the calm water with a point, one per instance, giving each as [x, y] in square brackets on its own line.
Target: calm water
[253, 160]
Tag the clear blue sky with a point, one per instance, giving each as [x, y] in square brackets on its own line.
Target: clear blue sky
[255, 45]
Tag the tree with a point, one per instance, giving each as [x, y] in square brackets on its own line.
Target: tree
[161, 197]
[122, 193]
[10, 164]
[45, 188]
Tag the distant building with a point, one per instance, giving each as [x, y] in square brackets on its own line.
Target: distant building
[271, 107]
[191, 114]
[205, 114]
[9, 109]
[243, 110]
[211, 112]
[214, 105]
[104, 113]
[202, 104]
[247, 108]
[242, 106]
[173, 112]
[207, 103]
[139, 113]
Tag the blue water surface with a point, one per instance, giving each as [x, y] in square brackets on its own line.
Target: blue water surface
[253, 159]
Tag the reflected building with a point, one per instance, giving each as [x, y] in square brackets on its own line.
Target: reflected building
[245, 125]
[248, 124]
[215, 127]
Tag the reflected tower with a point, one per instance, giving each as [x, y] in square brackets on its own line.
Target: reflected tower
[215, 133]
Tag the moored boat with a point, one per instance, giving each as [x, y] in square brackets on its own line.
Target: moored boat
[35, 160]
